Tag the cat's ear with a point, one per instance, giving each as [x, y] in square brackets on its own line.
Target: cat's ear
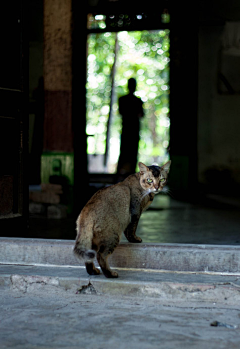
[143, 168]
[166, 167]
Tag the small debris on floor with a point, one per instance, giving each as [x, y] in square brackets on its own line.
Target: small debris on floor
[221, 324]
[87, 289]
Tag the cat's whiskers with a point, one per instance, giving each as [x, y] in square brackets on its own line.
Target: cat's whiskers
[165, 190]
[168, 191]
[148, 191]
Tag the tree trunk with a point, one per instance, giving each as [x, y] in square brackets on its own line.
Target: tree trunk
[113, 72]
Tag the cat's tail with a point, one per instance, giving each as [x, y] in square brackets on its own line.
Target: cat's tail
[87, 255]
[83, 246]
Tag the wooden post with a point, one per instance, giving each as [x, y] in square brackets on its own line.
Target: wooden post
[58, 135]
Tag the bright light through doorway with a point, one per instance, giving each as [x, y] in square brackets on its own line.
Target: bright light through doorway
[113, 58]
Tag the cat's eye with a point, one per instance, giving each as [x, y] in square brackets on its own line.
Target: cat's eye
[162, 180]
[149, 180]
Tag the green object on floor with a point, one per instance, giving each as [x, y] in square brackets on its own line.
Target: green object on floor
[58, 168]
[57, 163]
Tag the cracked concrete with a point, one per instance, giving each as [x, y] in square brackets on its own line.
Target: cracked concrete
[60, 319]
[168, 286]
[29, 283]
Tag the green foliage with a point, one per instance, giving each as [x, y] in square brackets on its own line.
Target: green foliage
[144, 56]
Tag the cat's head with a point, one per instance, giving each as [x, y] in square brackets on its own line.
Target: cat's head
[153, 178]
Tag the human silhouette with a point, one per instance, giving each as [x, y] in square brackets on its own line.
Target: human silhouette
[131, 110]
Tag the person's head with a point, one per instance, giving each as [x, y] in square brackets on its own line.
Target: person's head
[132, 84]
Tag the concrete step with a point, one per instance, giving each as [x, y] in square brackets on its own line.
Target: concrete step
[166, 286]
[168, 257]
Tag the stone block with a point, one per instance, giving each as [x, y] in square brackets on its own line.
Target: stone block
[57, 211]
[54, 188]
[37, 208]
[44, 197]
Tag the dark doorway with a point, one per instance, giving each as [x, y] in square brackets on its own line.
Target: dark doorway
[13, 117]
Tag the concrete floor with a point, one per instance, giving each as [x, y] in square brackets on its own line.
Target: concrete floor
[42, 319]
[172, 221]
[214, 221]
[44, 306]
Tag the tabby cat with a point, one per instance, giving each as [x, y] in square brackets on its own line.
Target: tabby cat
[114, 210]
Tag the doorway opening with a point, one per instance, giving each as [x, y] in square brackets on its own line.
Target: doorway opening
[112, 59]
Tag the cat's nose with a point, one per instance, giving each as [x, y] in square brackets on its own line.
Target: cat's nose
[156, 187]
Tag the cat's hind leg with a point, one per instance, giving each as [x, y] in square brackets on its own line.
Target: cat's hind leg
[103, 262]
[107, 247]
[91, 269]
